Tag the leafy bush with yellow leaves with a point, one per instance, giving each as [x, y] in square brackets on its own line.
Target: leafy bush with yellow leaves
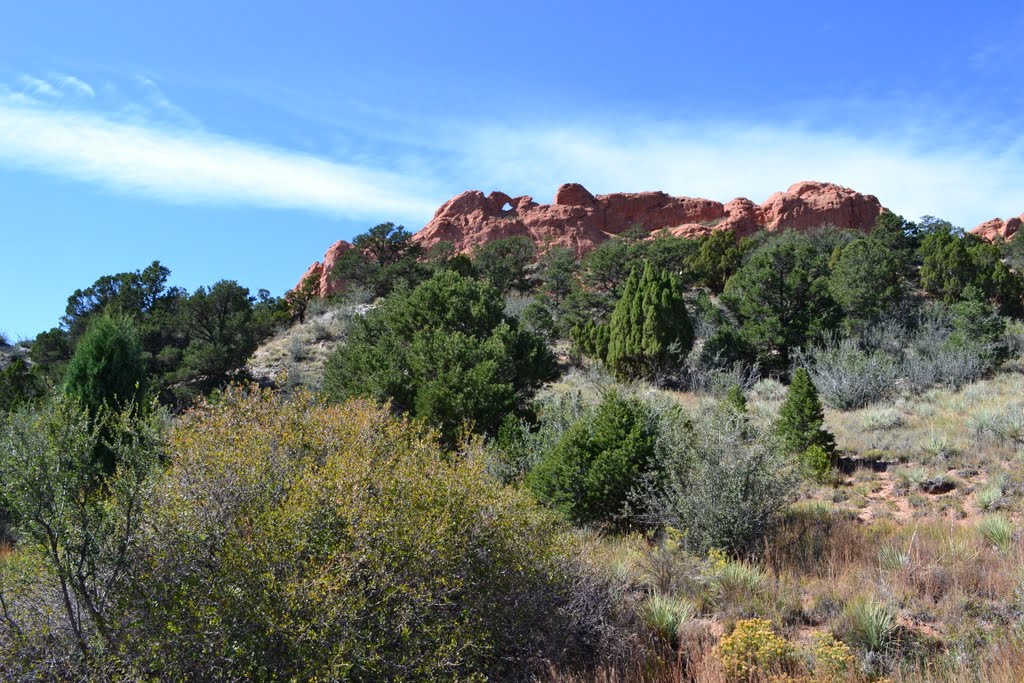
[292, 540]
[833, 658]
[754, 649]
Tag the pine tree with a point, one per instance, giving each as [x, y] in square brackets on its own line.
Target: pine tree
[107, 372]
[650, 326]
[801, 418]
[736, 400]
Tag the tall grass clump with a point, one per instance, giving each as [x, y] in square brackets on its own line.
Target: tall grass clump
[997, 530]
[665, 615]
[869, 625]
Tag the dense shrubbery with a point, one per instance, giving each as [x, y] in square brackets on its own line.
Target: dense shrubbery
[594, 471]
[444, 352]
[713, 475]
[287, 540]
[725, 483]
[75, 526]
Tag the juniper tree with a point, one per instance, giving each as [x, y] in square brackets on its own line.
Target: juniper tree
[650, 326]
[801, 418]
[107, 372]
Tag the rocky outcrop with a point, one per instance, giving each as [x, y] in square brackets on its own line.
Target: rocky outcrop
[322, 270]
[580, 220]
[809, 205]
[998, 229]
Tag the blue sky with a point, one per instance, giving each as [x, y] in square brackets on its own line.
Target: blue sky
[239, 139]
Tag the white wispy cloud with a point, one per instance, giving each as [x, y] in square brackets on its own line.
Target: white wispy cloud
[38, 87]
[194, 167]
[953, 168]
[73, 85]
[157, 102]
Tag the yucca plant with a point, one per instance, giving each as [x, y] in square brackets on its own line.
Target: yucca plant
[990, 498]
[998, 531]
[735, 578]
[665, 614]
[870, 625]
[891, 558]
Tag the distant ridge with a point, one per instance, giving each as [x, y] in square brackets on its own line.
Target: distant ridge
[580, 220]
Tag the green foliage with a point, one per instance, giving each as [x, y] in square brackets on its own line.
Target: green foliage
[444, 352]
[75, 538]
[718, 259]
[107, 369]
[382, 259]
[606, 268]
[591, 339]
[19, 384]
[665, 615]
[997, 531]
[946, 265]
[557, 272]
[817, 463]
[781, 298]
[107, 372]
[538, 319]
[222, 331]
[596, 467]
[290, 540]
[735, 398]
[650, 327]
[725, 482]
[298, 299]
[898, 234]
[869, 625]
[801, 419]
[504, 262]
[866, 281]
[668, 252]
[443, 256]
[131, 294]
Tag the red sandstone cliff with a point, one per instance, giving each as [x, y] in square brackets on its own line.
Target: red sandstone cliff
[997, 228]
[579, 220]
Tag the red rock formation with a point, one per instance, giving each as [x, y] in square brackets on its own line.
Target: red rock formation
[809, 205]
[580, 221]
[998, 229]
[323, 270]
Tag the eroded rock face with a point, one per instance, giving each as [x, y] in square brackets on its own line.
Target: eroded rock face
[998, 229]
[322, 270]
[809, 205]
[580, 220]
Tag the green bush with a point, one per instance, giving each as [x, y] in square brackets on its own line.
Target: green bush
[650, 328]
[801, 419]
[444, 352]
[76, 527]
[291, 540]
[725, 483]
[107, 372]
[781, 297]
[593, 471]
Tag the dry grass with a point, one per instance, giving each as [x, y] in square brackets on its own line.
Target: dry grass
[926, 530]
[296, 355]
